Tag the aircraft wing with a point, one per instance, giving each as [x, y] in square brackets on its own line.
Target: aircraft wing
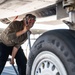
[11, 8]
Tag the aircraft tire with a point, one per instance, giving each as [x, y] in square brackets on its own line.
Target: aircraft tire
[53, 53]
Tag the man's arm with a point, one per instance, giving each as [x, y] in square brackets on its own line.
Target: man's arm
[19, 33]
[14, 52]
[12, 33]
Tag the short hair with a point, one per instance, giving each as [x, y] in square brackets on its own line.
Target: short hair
[30, 16]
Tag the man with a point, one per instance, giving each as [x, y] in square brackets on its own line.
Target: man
[11, 39]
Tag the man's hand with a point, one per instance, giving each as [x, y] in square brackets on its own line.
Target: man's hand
[26, 28]
[12, 61]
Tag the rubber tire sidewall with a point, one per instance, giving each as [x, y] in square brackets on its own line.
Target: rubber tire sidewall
[56, 43]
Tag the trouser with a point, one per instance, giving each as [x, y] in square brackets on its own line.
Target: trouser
[21, 60]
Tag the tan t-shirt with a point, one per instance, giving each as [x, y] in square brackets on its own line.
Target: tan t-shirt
[8, 36]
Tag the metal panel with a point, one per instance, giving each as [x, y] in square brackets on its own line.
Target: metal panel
[60, 11]
[47, 11]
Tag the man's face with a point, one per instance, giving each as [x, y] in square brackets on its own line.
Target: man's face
[29, 22]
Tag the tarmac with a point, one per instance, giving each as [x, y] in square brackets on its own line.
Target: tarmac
[9, 70]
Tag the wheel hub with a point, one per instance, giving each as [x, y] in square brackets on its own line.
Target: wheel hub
[46, 68]
[47, 63]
